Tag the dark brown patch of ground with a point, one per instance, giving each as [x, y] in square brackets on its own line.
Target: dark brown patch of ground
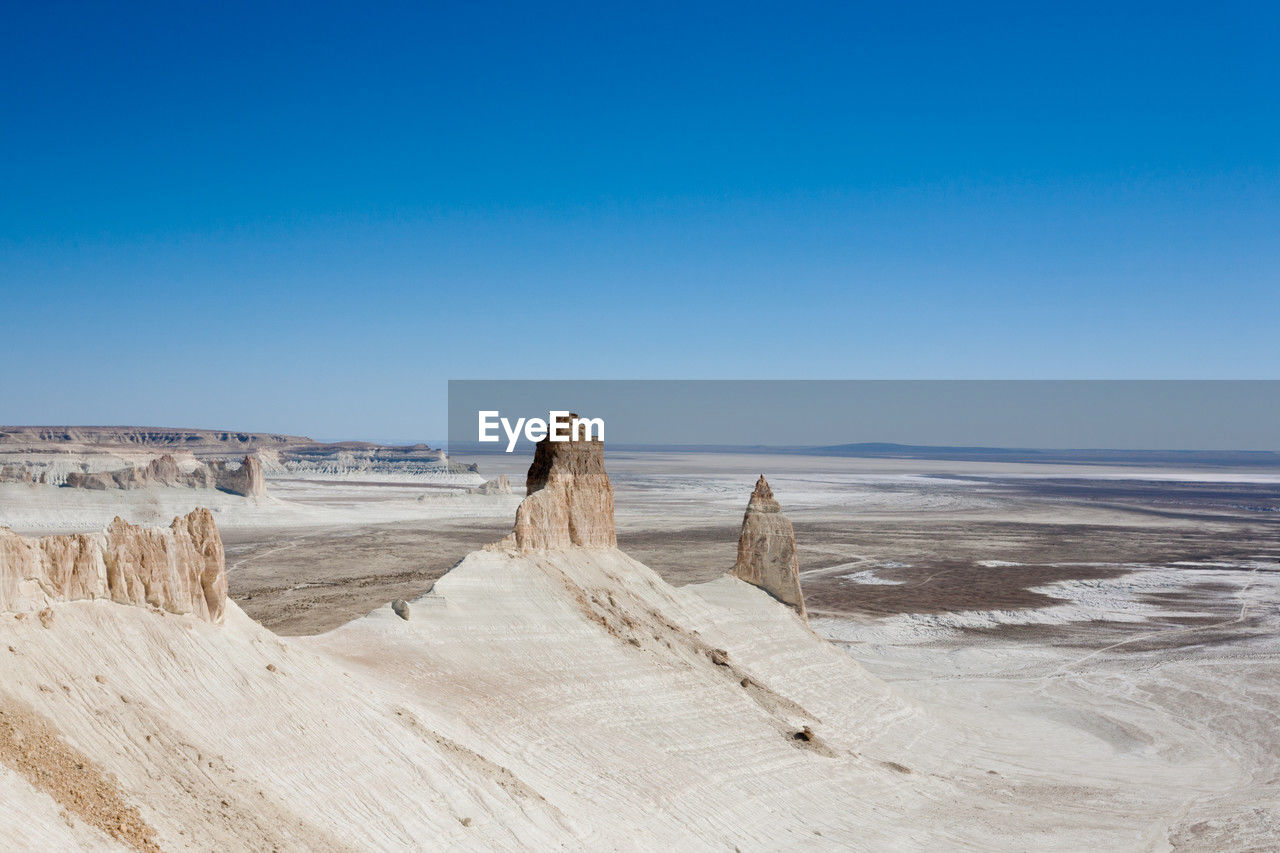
[309, 583]
[337, 575]
[30, 745]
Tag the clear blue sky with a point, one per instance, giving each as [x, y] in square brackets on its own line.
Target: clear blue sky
[306, 217]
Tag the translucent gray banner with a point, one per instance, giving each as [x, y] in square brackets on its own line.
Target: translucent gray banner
[1240, 419]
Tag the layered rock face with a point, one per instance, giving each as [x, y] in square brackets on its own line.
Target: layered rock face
[570, 498]
[247, 480]
[767, 549]
[161, 471]
[180, 568]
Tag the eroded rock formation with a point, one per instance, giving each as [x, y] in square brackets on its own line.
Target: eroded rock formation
[767, 549]
[246, 480]
[161, 471]
[500, 485]
[570, 499]
[180, 568]
[15, 474]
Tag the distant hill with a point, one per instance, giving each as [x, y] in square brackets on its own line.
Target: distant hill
[1019, 454]
[198, 441]
[890, 450]
[166, 438]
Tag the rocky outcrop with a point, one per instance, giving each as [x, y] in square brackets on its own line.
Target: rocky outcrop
[179, 569]
[16, 474]
[570, 499]
[98, 482]
[161, 471]
[500, 485]
[767, 549]
[247, 480]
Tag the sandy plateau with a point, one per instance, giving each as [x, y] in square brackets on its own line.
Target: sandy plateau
[997, 656]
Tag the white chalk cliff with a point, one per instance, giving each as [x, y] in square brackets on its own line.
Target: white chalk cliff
[179, 569]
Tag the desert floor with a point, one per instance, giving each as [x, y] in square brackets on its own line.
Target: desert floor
[1072, 619]
[1135, 608]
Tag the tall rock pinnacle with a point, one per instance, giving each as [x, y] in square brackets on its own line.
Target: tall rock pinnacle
[570, 499]
[767, 549]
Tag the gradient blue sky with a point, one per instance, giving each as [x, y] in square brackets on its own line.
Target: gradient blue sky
[306, 217]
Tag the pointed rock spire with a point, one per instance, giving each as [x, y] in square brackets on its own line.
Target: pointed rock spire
[767, 549]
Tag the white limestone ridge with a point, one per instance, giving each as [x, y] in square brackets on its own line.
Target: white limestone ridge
[179, 569]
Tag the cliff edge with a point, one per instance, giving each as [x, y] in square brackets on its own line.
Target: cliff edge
[180, 568]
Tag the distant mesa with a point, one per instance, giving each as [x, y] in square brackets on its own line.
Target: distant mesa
[278, 452]
[194, 440]
[569, 498]
[179, 569]
[246, 480]
[767, 549]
